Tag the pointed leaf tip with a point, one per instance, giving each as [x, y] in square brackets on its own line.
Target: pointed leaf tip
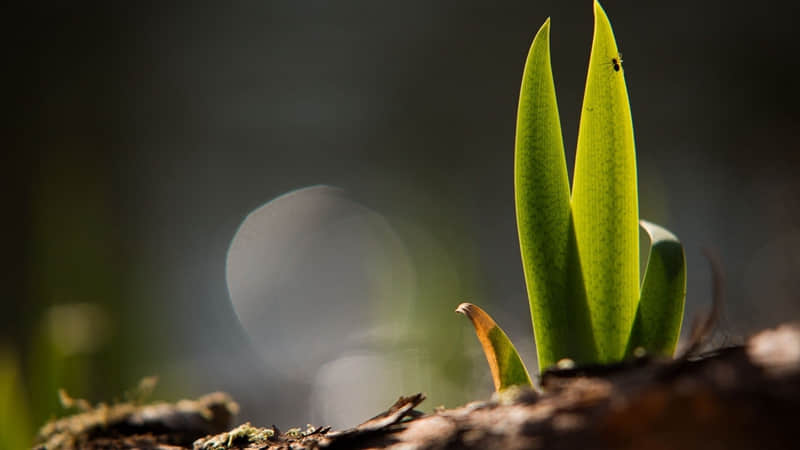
[465, 308]
[504, 362]
[598, 8]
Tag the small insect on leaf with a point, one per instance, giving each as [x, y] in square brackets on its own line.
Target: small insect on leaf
[504, 361]
[617, 63]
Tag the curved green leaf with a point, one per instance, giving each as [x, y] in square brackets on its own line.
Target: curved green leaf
[604, 197]
[504, 362]
[660, 313]
[549, 255]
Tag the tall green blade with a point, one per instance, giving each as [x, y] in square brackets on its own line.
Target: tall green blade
[660, 313]
[604, 198]
[549, 254]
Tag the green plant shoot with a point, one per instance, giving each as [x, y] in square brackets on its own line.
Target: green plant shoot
[504, 362]
[580, 250]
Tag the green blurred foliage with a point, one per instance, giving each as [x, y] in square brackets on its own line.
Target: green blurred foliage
[72, 293]
[15, 413]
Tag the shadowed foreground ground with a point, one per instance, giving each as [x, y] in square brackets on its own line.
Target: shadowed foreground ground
[737, 398]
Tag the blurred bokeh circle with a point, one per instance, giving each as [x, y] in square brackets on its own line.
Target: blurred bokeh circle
[308, 271]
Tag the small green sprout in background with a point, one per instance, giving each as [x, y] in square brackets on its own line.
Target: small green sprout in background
[580, 249]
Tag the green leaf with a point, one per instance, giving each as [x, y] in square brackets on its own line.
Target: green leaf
[504, 362]
[658, 319]
[604, 197]
[547, 242]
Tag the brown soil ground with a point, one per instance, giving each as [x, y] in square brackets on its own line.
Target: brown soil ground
[745, 397]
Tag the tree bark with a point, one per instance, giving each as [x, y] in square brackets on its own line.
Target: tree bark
[735, 398]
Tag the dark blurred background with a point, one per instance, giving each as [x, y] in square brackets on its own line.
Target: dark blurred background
[141, 135]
